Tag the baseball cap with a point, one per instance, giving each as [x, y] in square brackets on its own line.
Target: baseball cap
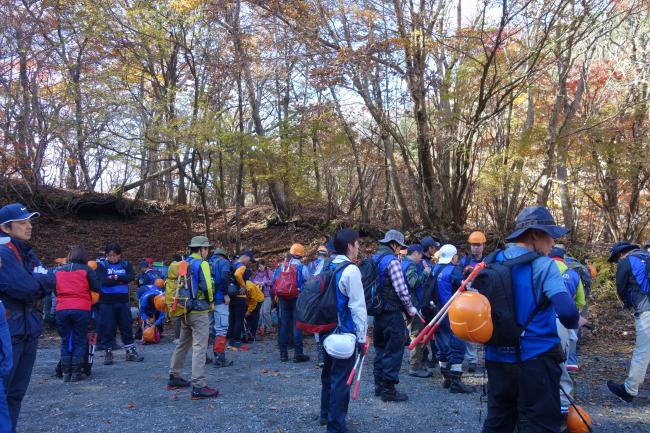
[15, 212]
[447, 253]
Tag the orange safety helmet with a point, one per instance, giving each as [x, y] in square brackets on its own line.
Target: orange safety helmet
[61, 261]
[94, 297]
[575, 423]
[593, 272]
[477, 237]
[470, 316]
[160, 283]
[92, 265]
[159, 303]
[297, 250]
[151, 335]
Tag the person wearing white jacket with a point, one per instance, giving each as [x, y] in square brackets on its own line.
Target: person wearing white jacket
[353, 319]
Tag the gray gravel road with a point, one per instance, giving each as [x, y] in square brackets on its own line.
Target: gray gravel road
[261, 394]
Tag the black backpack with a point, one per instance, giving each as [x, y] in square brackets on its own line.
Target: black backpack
[430, 295]
[372, 287]
[316, 304]
[495, 283]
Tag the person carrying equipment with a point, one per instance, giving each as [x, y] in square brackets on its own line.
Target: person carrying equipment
[114, 308]
[243, 272]
[74, 282]
[415, 281]
[287, 283]
[221, 270]
[476, 241]
[23, 281]
[353, 320]
[523, 365]
[152, 314]
[451, 349]
[196, 283]
[316, 266]
[389, 333]
[430, 245]
[254, 300]
[149, 275]
[633, 288]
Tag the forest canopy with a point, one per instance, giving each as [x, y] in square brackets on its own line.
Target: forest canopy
[443, 114]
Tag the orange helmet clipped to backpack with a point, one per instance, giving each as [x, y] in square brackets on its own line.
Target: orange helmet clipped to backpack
[94, 297]
[470, 316]
[297, 250]
[159, 303]
[160, 283]
[477, 237]
[575, 423]
[151, 335]
[92, 264]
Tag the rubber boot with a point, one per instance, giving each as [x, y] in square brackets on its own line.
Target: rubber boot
[457, 385]
[379, 387]
[77, 369]
[66, 367]
[390, 393]
[446, 377]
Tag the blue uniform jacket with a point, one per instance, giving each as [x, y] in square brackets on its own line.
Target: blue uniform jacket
[20, 288]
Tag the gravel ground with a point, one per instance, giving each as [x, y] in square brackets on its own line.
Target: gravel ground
[261, 394]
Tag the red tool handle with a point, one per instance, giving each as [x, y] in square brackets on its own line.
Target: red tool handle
[354, 369]
[355, 393]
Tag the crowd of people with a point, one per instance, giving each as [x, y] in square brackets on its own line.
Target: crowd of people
[213, 303]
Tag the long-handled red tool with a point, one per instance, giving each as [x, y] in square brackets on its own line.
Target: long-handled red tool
[428, 331]
[355, 392]
[356, 363]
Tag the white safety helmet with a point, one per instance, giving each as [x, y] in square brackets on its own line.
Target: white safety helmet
[340, 346]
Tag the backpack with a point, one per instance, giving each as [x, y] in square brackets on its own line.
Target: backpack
[372, 284]
[645, 259]
[149, 277]
[430, 294]
[223, 281]
[495, 283]
[186, 295]
[583, 272]
[286, 284]
[316, 305]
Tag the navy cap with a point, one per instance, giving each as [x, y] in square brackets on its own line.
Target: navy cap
[537, 217]
[428, 242]
[415, 248]
[143, 264]
[248, 254]
[15, 212]
[621, 247]
[557, 252]
[330, 246]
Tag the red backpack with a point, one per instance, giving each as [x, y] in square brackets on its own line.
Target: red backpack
[286, 285]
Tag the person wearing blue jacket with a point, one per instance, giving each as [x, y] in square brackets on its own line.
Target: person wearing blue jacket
[115, 275]
[148, 309]
[451, 349]
[23, 281]
[633, 288]
[220, 268]
[524, 381]
[6, 363]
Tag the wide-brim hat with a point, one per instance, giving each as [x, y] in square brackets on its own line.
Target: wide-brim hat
[537, 217]
[220, 252]
[200, 242]
[393, 235]
[619, 248]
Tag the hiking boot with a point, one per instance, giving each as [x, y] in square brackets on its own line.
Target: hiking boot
[220, 360]
[133, 356]
[205, 392]
[572, 368]
[472, 367]
[430, 366]
[379, 387]
[66, 368]
[77, 370]
[446, 377]
[418, 371]
[457, 386]
[284, 357]
[300, 358]
[108, 357]
[58, 371]
[618, 389]
[390, 393]
[176, 382]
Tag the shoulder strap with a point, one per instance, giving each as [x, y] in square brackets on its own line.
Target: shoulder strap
[523, 259]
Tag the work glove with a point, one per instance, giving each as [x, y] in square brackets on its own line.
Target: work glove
[412, 311]
[361, 348]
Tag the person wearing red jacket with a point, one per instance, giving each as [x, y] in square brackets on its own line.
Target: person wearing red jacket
[74, 282]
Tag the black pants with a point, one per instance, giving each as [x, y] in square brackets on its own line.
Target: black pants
[335, 393]
[253, 320]
[525, 396]
[388, 338]
[111, 317]
[237, 310]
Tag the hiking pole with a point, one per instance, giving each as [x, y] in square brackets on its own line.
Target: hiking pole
[427, 332]
[575, 407]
